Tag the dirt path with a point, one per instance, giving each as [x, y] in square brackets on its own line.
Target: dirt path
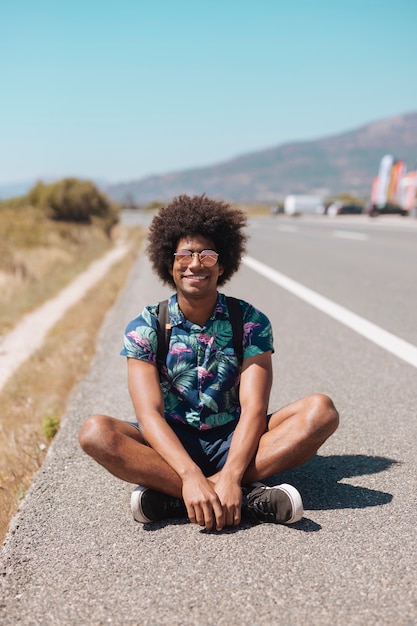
[28, 335]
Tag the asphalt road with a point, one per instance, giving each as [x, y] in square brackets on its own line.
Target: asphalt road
[74, 555]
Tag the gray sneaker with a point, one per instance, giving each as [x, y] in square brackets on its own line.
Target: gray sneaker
[148, 505]
[280, 504]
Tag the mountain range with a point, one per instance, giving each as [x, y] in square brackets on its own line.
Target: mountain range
[343, 163]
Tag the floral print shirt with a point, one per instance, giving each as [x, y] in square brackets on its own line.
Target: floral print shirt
[200, 382]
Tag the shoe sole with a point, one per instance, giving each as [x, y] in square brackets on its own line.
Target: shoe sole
[136, 505]
[296, 501]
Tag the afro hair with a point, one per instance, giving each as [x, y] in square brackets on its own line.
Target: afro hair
[197, 215]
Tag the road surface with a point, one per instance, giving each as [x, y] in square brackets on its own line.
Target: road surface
[75, 556]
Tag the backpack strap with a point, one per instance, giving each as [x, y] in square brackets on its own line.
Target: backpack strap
[164, 330]
[163, 333]
[236, 319]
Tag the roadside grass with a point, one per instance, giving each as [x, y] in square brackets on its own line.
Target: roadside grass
[34, 400]
[255, 210]
[39, 256]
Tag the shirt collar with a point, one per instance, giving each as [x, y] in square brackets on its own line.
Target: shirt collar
[177, 318]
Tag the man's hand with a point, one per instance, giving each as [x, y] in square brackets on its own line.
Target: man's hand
[230, 496]
[203, 504]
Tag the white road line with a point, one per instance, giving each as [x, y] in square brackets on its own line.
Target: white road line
[400, 348]
[348, 234]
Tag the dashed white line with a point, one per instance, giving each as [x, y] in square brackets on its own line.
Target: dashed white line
[382, 338]
[284, 228]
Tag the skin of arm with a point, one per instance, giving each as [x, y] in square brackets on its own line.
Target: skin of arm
[255, 388]
[202, 502]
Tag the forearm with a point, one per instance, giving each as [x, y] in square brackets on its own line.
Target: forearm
[146, 394]
[202, 503]
[228, 482]
[255, 386]
[201, 500]
[243, 446]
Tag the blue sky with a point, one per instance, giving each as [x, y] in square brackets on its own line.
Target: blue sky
[118, 90]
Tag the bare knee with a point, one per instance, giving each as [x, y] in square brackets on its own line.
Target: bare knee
[94, 434]
[322, 415]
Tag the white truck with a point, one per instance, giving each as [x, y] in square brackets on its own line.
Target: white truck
[296, 204]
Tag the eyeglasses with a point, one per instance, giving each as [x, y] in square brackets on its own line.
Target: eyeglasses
[207, 258]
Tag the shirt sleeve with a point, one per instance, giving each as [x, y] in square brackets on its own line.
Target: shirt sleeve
[140, 338]
[257, 332]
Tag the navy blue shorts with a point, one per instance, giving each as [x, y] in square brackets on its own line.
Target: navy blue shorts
[207, 448]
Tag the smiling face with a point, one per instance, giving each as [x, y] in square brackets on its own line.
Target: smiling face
[195, 280]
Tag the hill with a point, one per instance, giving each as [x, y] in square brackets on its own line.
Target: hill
[345, 162]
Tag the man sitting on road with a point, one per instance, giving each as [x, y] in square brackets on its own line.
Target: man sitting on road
[203, 440]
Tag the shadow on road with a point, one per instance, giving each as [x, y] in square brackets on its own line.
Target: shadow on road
[318, 481]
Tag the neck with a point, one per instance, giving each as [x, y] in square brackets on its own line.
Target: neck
[197, 310]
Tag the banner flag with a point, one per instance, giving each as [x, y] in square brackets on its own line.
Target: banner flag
[384, 178]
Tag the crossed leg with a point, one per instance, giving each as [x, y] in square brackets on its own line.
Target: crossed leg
[294, 435]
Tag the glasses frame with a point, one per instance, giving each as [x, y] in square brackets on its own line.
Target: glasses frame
[187, 259]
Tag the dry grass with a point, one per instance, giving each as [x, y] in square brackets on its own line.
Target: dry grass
[34, 400]
[255, 210]
[38, 257]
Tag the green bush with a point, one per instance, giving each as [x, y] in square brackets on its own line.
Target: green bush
[50, 426]
[74, 200]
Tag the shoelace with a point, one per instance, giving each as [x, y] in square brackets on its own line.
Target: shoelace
[260, 506]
